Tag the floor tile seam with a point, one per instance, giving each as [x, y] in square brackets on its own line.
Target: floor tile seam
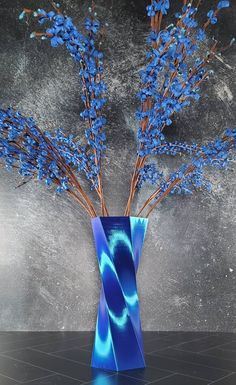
[16, 341]
[209, 355]
[68, 359]
[179, 344]
[197, 353]
[222, 378]
[156, 339]
[186, 375]
[183, 334]
[40, 367]
[26, 347]
[62, 358]
[136, 378]
[10, 378]
[84, 346]
[40, 378]
[63, 350]
[169, 335]
[219, 347]
[191, 363]
[160, 379]
[176, 345]
[89, 382]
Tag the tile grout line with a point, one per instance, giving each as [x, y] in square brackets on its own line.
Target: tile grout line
[40, 367]
[76, 362]
[191, 363]
[158, 353]
[222, 378]
[181, 343]
[113, 373]
[218, 347]
[135, 378]
[28, 347]
[56, 351]
[10, 378]
[160, 379]
[197, 354]
[191, 377]
[210, 356]
[40, 378]
[62, 358]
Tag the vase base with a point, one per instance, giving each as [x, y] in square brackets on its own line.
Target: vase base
[115, 369]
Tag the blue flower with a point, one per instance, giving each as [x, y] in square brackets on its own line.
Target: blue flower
[223, 4]
[189, 22]
[151, 10]
[149, 174]
[56, 41]
[92, 25]
[212, 17]
[163, 6]
[200, 35]
[59, 19]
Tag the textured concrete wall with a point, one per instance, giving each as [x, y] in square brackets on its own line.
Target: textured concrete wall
[48, 271]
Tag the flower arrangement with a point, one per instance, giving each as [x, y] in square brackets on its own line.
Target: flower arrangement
[170, 81]
[177, 64]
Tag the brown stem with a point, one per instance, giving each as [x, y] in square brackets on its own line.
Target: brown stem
[99, 190]
[168, 190]
[77, 198]
[208, 21]
[70, 173]
[190, 168]
[55, 7]
[147, 104]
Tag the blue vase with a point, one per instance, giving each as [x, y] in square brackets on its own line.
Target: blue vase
[118, 341]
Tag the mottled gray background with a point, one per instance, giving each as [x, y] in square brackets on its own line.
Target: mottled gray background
[48, 273]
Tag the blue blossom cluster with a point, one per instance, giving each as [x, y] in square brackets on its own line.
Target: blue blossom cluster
[171, 79]
[149, 174]
[170, 82]
[167, 79]
[175, 148]
[192, 181]
[191, 176]
[212, 15]
[41, 155]
[158, 6]
[82, 48]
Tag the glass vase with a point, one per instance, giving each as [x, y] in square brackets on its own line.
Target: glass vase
[118, 341]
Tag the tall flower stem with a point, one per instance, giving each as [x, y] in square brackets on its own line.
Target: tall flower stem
[155, 27]
[141, 160]
[72, 176]
[98, 189]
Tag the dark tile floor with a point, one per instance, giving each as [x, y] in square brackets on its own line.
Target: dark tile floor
[172, 358]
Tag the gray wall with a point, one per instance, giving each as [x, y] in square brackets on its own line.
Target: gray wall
[48, 272]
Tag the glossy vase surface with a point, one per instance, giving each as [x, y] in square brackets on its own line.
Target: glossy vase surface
[118, 341]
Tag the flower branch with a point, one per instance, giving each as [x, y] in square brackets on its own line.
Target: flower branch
[83, 49]
[171, 79]
[216, 154]
[42, 155]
